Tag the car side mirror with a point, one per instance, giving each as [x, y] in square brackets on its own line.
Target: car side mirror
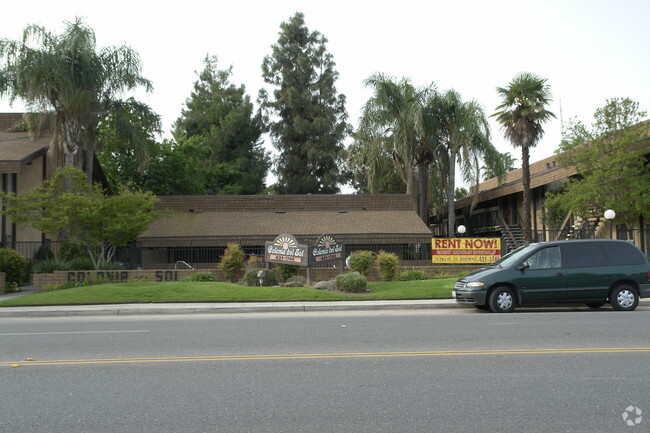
[524, 265]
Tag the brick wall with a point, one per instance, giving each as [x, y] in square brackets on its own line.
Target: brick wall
[39, 281]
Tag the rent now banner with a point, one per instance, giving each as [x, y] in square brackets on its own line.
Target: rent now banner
[465, 250]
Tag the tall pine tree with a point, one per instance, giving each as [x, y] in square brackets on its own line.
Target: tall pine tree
[219, 134]
[308, 117]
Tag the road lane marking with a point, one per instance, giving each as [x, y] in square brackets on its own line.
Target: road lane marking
[333, 355]
[73, 332]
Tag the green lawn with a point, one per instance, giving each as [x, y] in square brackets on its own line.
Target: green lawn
[133, 293]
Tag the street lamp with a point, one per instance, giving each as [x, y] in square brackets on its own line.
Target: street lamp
[461, 229]
[610, 215]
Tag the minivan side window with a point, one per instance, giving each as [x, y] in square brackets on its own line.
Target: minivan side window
[546, 258]
[623, 254]
[584, 254]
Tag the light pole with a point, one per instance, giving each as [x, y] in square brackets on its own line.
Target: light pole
[610, 215]
[461, 230]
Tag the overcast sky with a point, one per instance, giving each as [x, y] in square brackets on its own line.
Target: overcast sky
[588, 50]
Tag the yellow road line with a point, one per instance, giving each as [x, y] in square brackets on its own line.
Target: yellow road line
[329, 355]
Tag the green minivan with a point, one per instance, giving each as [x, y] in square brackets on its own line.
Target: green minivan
[592, 272]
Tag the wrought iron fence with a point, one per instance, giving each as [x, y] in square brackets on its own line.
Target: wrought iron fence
[202, 253]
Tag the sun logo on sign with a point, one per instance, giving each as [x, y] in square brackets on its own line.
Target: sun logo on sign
[285, 242]
[326, 241]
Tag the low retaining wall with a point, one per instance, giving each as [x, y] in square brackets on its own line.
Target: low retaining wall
[39, 281]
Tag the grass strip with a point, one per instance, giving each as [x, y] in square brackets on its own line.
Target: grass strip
[139, 293]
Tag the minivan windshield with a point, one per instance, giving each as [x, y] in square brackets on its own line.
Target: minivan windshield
[515, 256]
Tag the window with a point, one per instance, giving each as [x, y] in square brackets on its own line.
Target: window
[547, 258]
[623, 254]
[584, 254]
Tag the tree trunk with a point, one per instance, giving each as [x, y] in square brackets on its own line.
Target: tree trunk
[525, 169]
[451, 186]
[89, 164]
[422, 193]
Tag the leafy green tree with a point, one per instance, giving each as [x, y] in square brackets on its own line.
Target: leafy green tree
[65, 75]
[612, 160]
[521, 114]
[122, 162]
[69, 204]
[171, 172]
[309, 118]
[219, 135]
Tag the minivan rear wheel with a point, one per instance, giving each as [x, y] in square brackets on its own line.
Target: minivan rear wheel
[624, 298]
[502, 300]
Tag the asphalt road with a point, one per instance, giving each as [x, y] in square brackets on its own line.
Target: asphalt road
[550, 370]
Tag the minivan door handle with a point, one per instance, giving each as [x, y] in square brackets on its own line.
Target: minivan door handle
[559, 274]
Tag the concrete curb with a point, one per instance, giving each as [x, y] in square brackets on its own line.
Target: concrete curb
[222, 308]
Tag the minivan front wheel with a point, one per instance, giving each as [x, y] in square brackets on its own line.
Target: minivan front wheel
[502, 300]
[624, 298]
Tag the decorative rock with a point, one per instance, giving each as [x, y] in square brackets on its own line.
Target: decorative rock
[329, 286]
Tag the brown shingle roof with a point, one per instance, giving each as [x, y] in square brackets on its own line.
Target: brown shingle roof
[541, 173]
[300, 215]
[18, 148]
[287, 202]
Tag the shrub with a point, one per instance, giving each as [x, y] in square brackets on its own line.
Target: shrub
[360, 261]
[49, 266]
[61, 286]
[14, 266]
[110, 266]
[232, 262]
[44, 253]
[252, 278]
[412, 275]
[254, 262]
[271, 278]
[200, 277]
[286, 271]
[351, 282]
[387, 263]
[71, 250]
[80, 264]
[96, 280]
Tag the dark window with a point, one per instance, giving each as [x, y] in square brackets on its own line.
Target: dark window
[584, 254]
[547, 258]
[623, 254]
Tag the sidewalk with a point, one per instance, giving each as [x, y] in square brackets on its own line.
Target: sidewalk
[222, 307]
[215, 307]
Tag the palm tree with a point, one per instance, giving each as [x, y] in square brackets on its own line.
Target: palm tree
[464, 138]
[503, 165]
[396, 111]
[64, 75]
[521, 115]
